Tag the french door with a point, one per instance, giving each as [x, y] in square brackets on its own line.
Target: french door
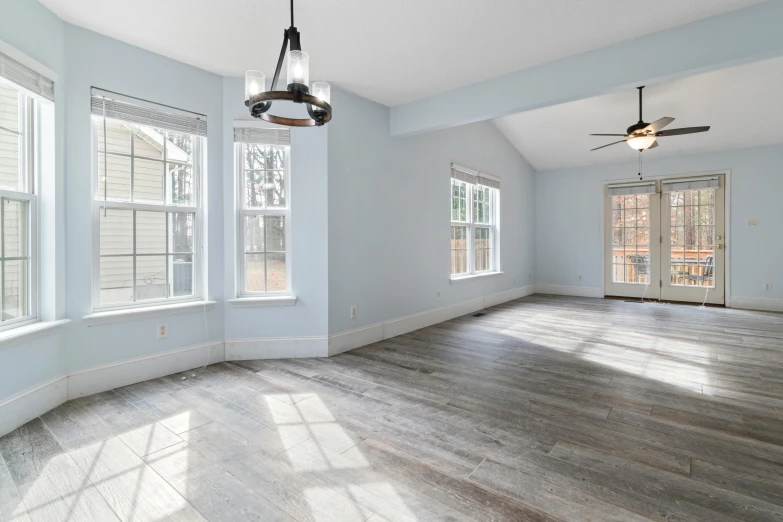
[665, 240]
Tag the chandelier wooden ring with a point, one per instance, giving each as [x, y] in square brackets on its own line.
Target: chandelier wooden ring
[257, 106]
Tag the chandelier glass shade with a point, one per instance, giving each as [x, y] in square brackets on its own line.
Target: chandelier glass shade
[259, 100]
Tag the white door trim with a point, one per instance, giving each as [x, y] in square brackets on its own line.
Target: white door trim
[727, 217]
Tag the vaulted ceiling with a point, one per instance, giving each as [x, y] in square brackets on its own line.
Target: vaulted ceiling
[389, 51]
[742, 104]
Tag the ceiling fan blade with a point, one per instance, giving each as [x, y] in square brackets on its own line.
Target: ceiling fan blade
[608, 135]
[655, 144]
[607, 145]
[684, 130]
[657, 125]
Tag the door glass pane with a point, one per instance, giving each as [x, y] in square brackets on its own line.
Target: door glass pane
[692, 237]
[631, 238]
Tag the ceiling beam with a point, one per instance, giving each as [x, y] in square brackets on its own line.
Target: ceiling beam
[741, 36]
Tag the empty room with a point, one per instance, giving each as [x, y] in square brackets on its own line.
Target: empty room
[414, 260]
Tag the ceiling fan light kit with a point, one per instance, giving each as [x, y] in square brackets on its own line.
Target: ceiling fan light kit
[642, 136]
[258, 100]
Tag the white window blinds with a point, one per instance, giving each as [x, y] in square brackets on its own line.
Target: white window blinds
[141, 112]
[26, 77]
[258, 135]
[473, 177]
[690, 184]
[627, 190]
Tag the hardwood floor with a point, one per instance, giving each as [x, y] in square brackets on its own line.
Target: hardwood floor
[546, 408]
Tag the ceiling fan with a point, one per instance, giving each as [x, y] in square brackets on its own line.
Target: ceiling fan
[642, 136]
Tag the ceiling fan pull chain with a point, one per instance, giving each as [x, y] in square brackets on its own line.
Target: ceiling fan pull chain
[640, 166]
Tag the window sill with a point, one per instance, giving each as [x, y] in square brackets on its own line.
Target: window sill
[116, 316]
[278, 300]
[21, 332]
[473, 276]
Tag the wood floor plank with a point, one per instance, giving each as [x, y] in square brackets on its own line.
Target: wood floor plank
[28, 450]
[545, 408]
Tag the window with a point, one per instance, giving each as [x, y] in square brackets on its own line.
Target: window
[148, 165]
[264, 203]
[474, 204]
[18, 206]
[631, 238]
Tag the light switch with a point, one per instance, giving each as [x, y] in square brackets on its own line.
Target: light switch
[751, 222]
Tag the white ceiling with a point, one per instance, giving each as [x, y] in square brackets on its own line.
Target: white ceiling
[390, 51]
[743, 105]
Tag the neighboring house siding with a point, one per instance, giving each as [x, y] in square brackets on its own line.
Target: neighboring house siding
[9, 143]
[116, 273]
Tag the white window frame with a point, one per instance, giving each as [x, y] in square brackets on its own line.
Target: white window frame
[98, 204]
[30, 125]
[243, 211]
[471, 227]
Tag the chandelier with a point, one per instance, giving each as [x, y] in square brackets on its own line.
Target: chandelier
[259, 100]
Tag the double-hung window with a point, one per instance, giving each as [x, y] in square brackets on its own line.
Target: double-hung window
[22, 90]
[474, 230]
[147, 202]
[264, 210]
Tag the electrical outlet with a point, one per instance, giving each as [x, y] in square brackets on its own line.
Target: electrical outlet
[163, 331]
[354, 312]
[767, 287]
[579, 277]
[438, 294]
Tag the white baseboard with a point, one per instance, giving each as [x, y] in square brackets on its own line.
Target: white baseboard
[577, 291]
[345, 341]
[26, 406]
[23, 407]
[32, 403]
[758, 303]
[276, 348]
[121, 373]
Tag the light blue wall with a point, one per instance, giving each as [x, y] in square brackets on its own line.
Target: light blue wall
[389, 214]
[569, 206]
[97, 61]
[32, 29]
[308, 317]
